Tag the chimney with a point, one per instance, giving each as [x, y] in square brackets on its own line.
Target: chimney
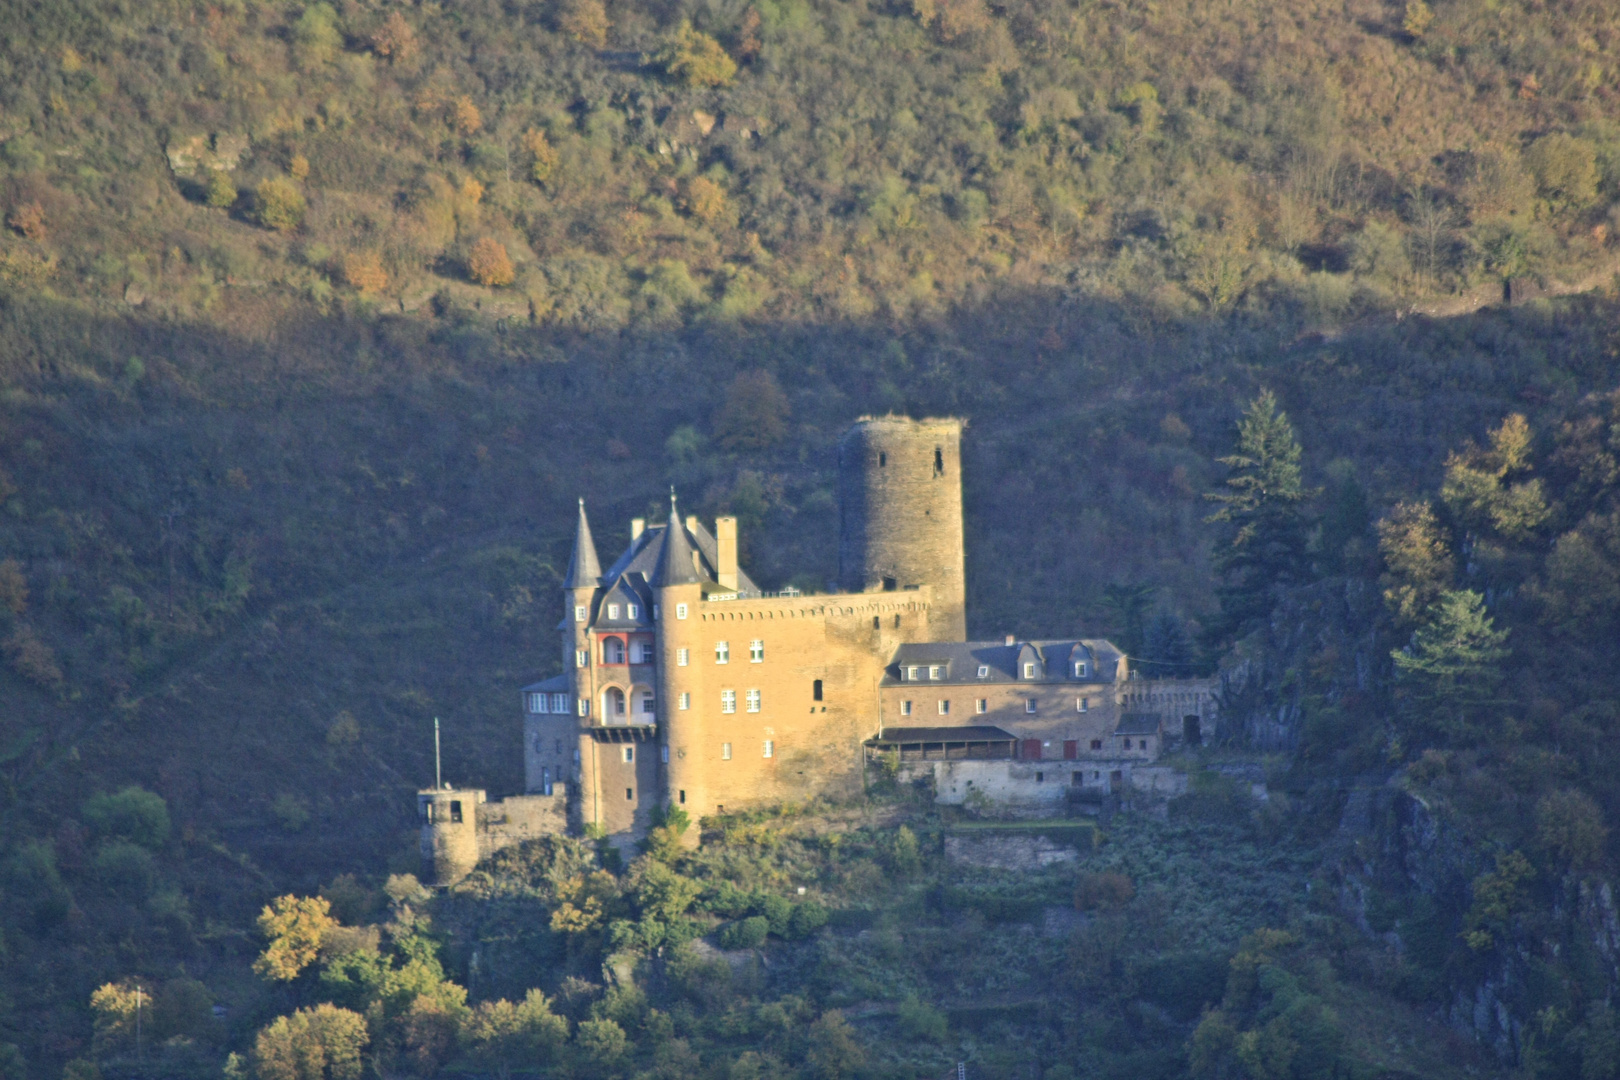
[637, 527]
[692, 524]
[1012, 640]
[725, 537]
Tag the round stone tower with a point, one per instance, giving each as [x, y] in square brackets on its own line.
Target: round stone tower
[449, 819]
[900, 513]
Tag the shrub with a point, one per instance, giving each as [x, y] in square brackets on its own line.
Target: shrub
[1105, 890]
[586, 21]
[705, 199]
[488, 263]
[1565, 169]
[465, 116]
[922, 1022]
[394, 39]
[363, 270]
[278, 204]
[1569, 825]
[806, 919]
[749, 933]
[219, 192]
[697, 59]
[755, 413]
[542, 155]
[601, 1042]
[133, 814]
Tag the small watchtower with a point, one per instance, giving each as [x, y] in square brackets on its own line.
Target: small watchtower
[900, 513]
[449, 818]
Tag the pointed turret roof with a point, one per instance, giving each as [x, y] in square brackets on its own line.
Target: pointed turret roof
[675, 563]
[583, 568]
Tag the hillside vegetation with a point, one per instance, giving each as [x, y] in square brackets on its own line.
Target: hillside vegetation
[315, 321]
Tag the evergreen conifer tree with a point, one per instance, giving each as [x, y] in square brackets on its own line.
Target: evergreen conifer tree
[1265, 549]
[1452, 670]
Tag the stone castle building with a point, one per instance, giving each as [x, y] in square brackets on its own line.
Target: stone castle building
[685, 685]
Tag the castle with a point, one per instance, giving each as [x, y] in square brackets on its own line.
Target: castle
[686, 686]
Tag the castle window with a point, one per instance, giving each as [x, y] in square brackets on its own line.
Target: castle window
[728, 701]
[939, 462]
[933, 671]
[890, 584]
[686, 701]
[629, 755]
[883, 459]
[984, 671]
[579, 613]
[1040, 778]
[981, 706]
[680, 611]
[559, 703]
[725, 751]
[545, 781]
[1029, 671]
[612, 651]
[1082, 704]
[455, 810]
[722, 652]
[1029, 705]
[1096, 744]
[613, 611]
[632, 611]
[770, 748]
[579, 657]
[584, 706]
[944, 708]
[815, 690]
[683, 657]
[646, 703]
[613, 701]
[756, 652]
[753, 701]
[1080, 670]
[683, 796]
[905, 708]
[539, 703]
[911, 674]
[877, 622]
[629, 794]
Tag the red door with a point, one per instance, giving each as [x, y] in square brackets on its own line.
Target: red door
[1032, 749]
[1071, 749]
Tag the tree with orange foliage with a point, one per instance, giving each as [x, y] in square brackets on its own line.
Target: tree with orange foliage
[363, 270]
[489, 264]
[395, 39]
[465, 117]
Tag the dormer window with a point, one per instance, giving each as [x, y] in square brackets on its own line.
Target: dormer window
[613, 611]
[1079, 669]
[1029, 671]
[933, 671]
[911, 674]
[631, 611]
[984, 671]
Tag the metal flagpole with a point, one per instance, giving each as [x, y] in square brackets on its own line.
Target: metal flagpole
[438, 770]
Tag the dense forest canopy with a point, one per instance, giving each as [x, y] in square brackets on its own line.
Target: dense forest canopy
[315, 319]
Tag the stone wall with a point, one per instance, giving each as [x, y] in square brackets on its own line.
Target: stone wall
[900, 513]
[718, 759]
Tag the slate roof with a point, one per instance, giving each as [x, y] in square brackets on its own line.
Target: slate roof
[1137, 723]
[961, 660]
[629, 589]
[978, 733]
[643, 554]
[555, 683]
[583, 568]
